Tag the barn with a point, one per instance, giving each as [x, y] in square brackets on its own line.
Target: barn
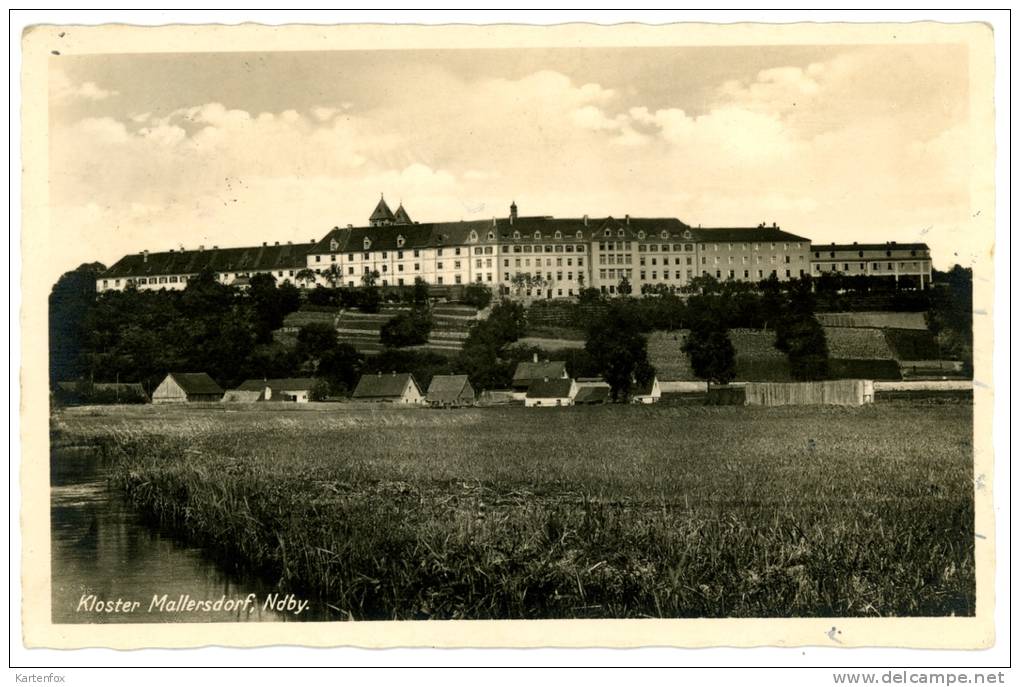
[447, 391]
[550, 392]
[184, 387]
[391, 388]
[295, 389]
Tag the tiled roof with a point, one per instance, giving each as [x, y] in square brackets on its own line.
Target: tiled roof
[530, 371]
[549, 388]
[196, 383]
[284, 384]
[746, 235]
[592, 394]
[449, 388]
[382, 385]
[253, 258]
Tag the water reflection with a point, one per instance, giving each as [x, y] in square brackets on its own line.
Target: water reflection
[102, 553]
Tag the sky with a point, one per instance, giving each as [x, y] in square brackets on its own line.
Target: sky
[835, 143]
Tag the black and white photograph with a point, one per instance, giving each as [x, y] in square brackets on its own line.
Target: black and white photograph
[390, 326]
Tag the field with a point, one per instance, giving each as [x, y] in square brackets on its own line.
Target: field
[612, 511]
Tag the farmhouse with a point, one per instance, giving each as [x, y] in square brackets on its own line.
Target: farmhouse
[184, 387]
[528, 372]
[391, 388]
[646, 393]
[450, 391]
[550, 392]
[296, 389]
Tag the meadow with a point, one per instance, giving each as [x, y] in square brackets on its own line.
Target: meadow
[614, 511]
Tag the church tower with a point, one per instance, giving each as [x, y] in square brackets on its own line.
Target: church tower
[401, 216]
[382, 215]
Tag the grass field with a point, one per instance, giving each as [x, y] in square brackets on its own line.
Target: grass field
[614, 511]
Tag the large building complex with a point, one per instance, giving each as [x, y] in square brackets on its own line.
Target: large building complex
[517, 256]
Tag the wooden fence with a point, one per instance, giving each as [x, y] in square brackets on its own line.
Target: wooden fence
[843, 392]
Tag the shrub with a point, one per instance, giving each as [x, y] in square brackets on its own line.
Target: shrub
[407, 329]
[478, 295]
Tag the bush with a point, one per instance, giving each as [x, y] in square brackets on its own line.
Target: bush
[407, 329]
[478, 295]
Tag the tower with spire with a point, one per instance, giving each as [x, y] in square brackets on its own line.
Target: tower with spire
[401, 216]
[382, 215]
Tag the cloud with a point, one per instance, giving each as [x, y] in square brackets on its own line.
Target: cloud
[63, 90]
[829, 149]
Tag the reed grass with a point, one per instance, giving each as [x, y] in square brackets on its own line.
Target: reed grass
[623, 512]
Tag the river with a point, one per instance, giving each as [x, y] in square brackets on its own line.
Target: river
[102, 552]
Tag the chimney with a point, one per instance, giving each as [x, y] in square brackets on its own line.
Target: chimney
[585, 220]
[145, 256]
[276, 243]
[774, 225]
[534, 357]
[215, 247]
[513, 212]
[201, 247]
[627, 219]
[350, 226]
[264, 244]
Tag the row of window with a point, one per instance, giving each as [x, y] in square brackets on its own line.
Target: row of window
[860, 254]
[875, 266]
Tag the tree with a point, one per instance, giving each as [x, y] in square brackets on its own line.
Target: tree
[624, 288]
[370, 297]
[69, 303]
[319, 391]
[619, 352]
[711, 352]
[305, 276]
[407, 328]
[478, 295]
[341, 366]
[589, 296]
[420, 292]
[333, 274]
[800, 336]
[314, 339]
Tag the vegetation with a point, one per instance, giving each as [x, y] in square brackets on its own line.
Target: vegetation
[692, 512]
[478, 295]
[407, 328]
[619, 352]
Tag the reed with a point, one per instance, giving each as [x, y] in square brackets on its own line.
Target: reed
[581, 512]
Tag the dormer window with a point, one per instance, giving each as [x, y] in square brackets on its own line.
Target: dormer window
[473, 236]
[608, 233]
[641, 234]
[620, 233]
[367, 243]
[517, 235]
[558, 234]
[538, 235]
[490, 236]
[664, 234]
[687, 234]
[400, 241]
[333, 245]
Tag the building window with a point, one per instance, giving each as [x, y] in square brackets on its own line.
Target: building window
[318, 258]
